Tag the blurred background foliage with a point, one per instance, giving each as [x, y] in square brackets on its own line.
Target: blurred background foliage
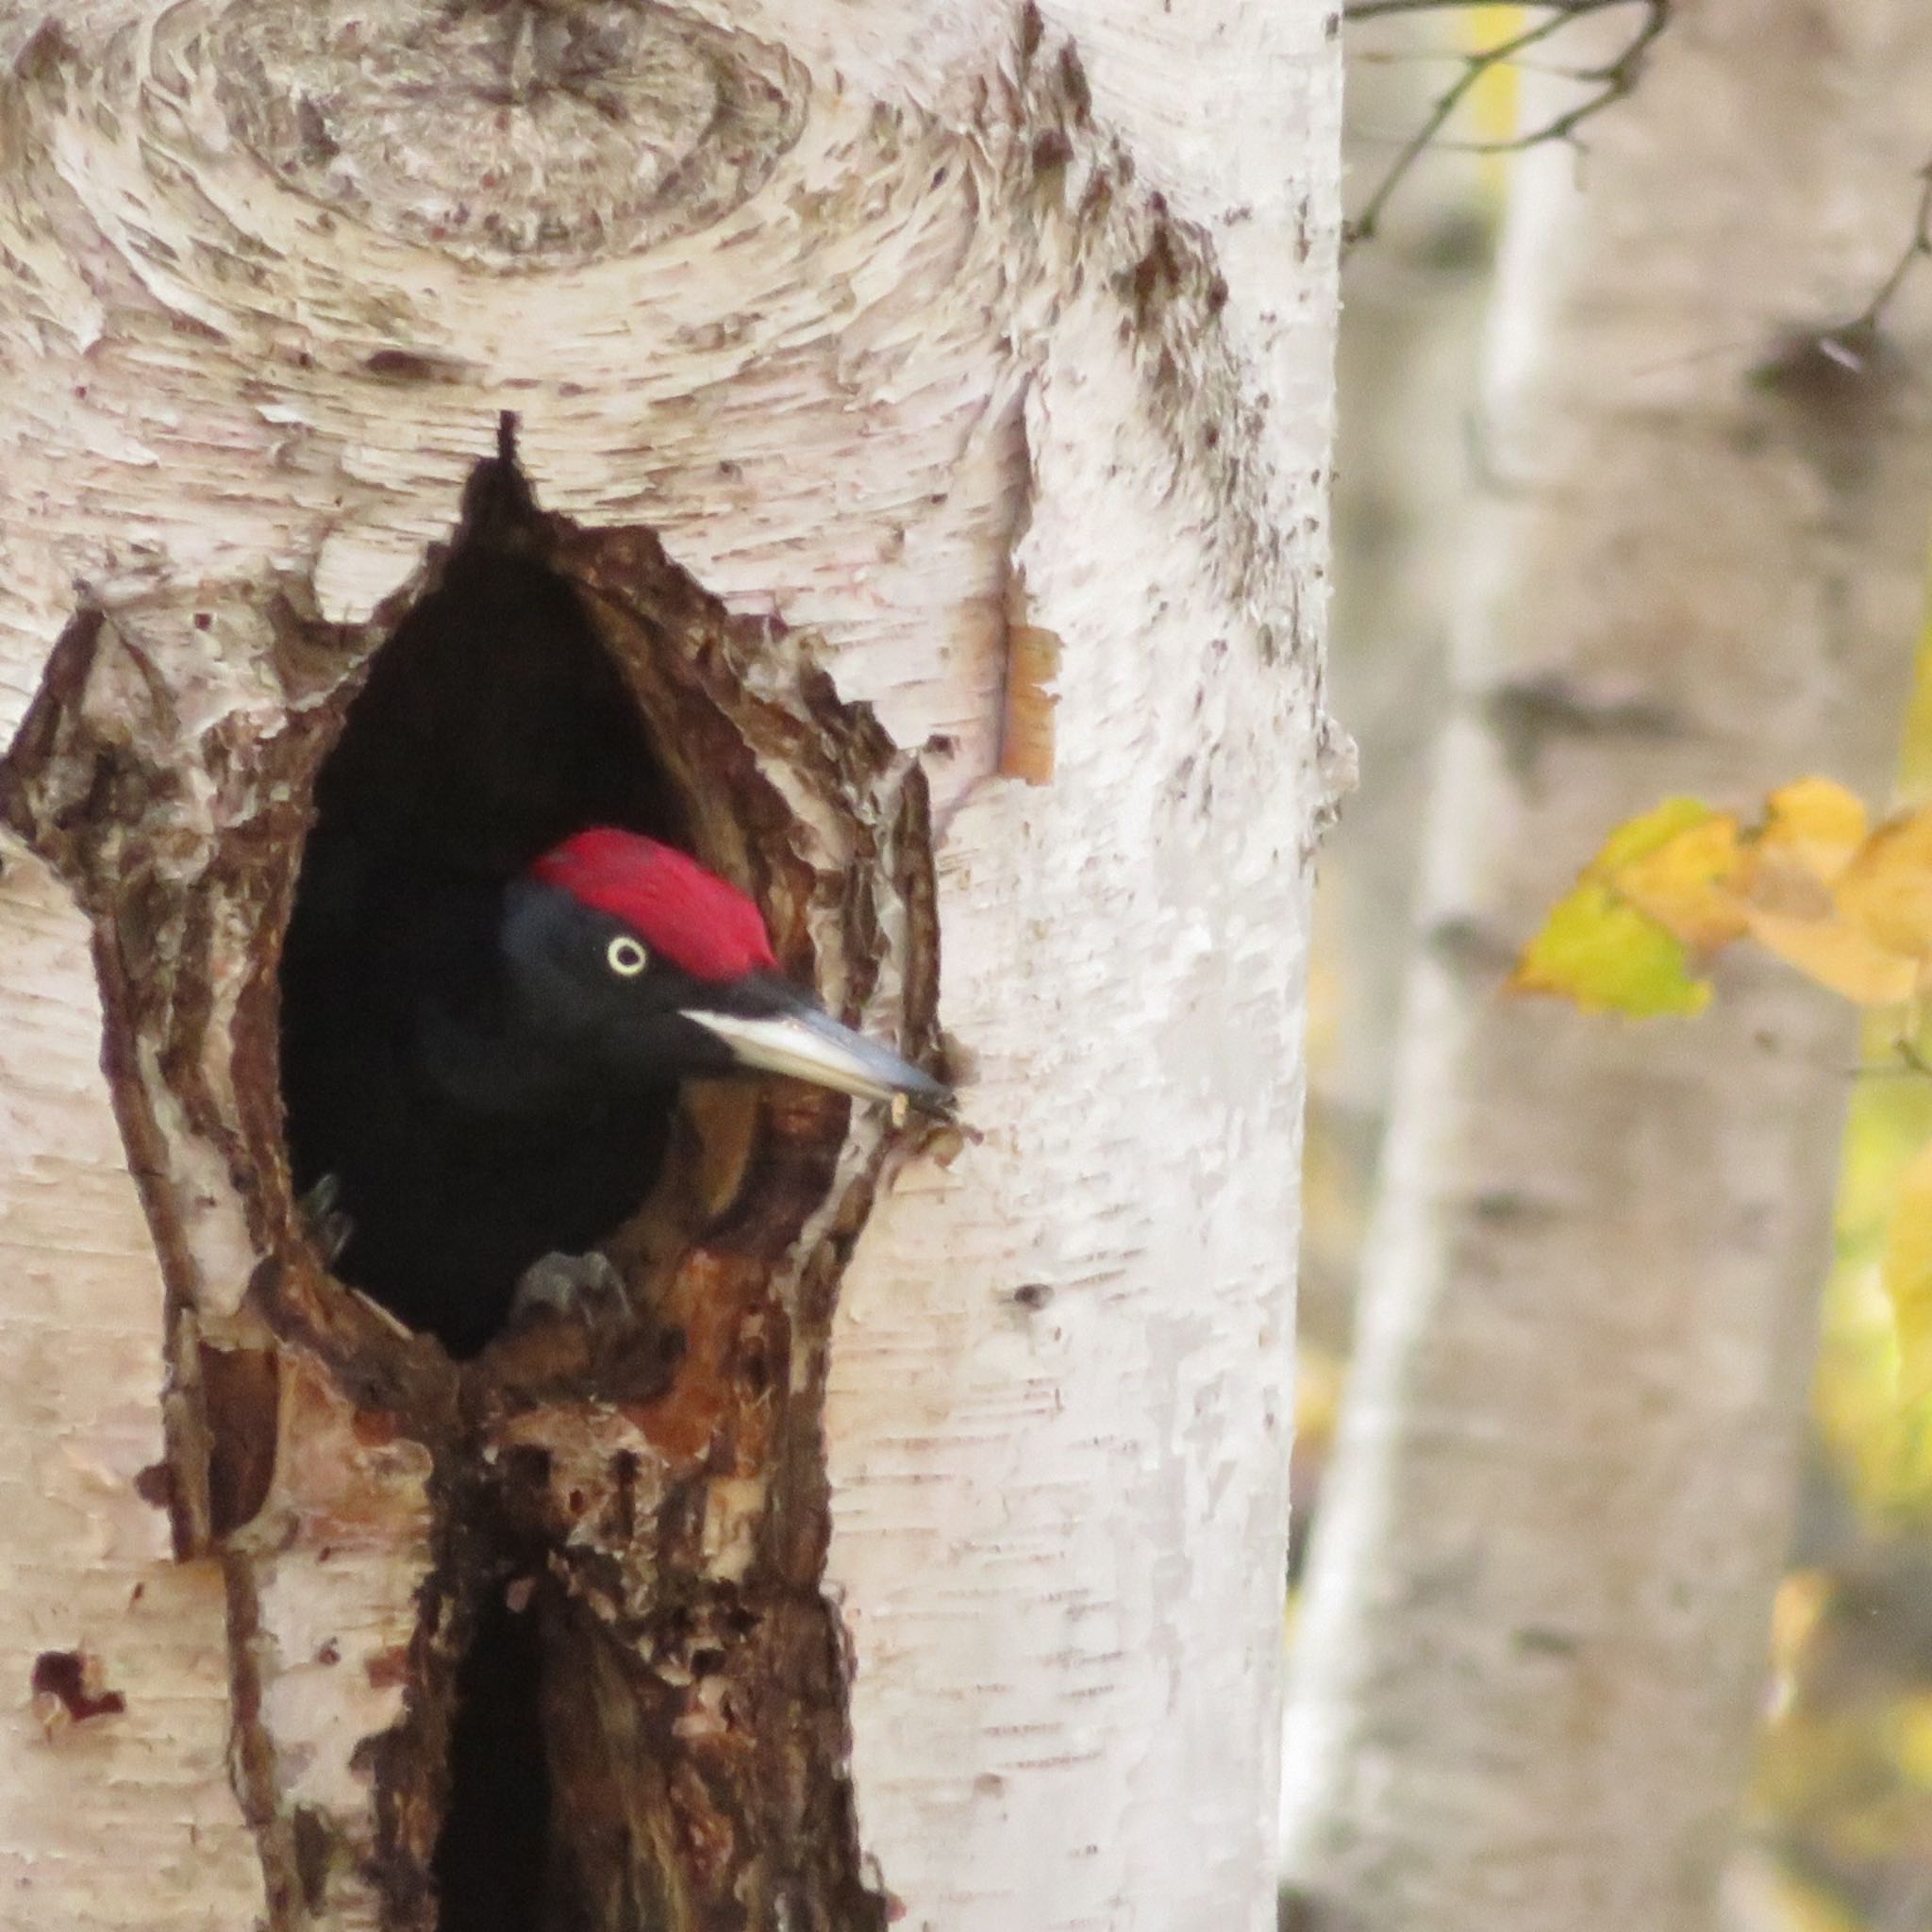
[1836, 1834]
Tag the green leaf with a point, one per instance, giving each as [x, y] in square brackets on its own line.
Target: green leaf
[1639, 837]
[1599, 951]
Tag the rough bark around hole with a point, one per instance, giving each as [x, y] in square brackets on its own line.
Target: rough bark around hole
[654, 1500]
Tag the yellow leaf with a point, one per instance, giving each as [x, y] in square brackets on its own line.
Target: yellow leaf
[1684, 884]
[1887, 889]
[1601, 952]
[1807, 889]
[1907, 1276]
[1816, 823]
[1849, 909]
[1836, 954]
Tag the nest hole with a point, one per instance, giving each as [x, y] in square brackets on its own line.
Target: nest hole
[491, 725]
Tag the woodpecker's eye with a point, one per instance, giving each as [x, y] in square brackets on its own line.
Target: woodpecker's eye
[625, 956]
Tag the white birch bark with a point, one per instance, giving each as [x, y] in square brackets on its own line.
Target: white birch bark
[975, 356]
[1532, 1648]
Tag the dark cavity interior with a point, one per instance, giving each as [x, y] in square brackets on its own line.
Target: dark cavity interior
[493, 724]
[492, 1865]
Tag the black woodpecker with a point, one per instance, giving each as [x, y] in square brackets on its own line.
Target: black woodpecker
[480, 1073]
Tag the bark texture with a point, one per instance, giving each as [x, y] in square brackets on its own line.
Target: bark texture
[929, 411]
[1530, 1658]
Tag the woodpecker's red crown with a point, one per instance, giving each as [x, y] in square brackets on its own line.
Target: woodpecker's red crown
[687, 915]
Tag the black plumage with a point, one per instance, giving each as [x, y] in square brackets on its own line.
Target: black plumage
[448, 1194]
[491, 725]
[498, 968]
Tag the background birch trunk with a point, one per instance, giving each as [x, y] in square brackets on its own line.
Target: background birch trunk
[1406, 373]
[928, 409]
[1533, 1638]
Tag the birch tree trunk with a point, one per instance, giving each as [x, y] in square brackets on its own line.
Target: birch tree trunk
[926, 410]
[1533, 1640]
[1405, 376]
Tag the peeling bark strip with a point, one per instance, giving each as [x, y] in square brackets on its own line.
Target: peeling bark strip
[824, 328]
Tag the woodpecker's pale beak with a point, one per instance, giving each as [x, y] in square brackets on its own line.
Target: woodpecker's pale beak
[809, 1045]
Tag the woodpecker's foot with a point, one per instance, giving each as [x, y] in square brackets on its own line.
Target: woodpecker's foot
[586, 1286]
[329, 1229]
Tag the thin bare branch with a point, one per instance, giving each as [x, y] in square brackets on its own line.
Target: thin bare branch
[1611, 82]
[1915, 251]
